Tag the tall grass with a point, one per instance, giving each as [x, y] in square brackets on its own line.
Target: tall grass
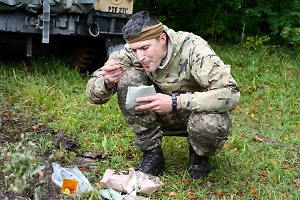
[48, 90]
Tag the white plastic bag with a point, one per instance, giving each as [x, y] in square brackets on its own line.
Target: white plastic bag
[61, 173]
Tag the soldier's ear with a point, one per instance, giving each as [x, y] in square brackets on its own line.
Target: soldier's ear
[163, 38]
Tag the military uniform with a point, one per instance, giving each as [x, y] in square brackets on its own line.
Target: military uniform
[192, 70]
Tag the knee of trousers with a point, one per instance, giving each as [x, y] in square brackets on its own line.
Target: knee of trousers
[139, 121]
[208, 132]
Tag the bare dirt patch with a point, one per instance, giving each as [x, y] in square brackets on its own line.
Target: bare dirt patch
[14, 124]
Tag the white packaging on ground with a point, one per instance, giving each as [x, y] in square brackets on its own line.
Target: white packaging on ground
[60, 173]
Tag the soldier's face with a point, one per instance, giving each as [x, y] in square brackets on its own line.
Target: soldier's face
[150, 52]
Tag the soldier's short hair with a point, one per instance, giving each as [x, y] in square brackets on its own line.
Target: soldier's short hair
[137, 22]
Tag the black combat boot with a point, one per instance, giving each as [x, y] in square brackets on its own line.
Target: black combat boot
[153, 162]
[198, 166]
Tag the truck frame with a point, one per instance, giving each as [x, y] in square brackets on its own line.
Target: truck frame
[83, 39]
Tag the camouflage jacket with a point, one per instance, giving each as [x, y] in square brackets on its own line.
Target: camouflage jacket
[191, 69]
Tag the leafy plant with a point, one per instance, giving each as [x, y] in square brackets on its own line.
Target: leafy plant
[256, 42]
[18, 162]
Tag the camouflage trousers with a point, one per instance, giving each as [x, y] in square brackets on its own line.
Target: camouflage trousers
[206, 132]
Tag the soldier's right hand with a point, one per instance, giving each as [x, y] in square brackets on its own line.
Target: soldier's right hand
[111, 73]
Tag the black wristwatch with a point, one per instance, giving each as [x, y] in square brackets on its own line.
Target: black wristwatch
[174, 102]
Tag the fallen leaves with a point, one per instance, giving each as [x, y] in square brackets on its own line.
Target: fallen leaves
[34, 127]
[226, 144]
[259, 138]
[186, 181]
[253, 112]
[263, 174]
[83, 169]
[297, 183]
[7, 114]
[92, 155]
[234, 149]
[191, 196]
[253, 191]
[288, 167]
[173, 194]
[219, 194]
[64, 142]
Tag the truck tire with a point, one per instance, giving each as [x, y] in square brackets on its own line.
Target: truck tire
[85, 54]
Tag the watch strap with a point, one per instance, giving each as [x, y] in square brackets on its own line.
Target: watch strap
[174, 102]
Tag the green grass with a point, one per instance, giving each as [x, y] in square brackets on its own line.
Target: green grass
[49, 91]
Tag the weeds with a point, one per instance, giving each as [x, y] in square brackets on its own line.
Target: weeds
[18, 166]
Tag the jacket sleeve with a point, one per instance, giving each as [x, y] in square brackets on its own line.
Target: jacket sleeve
[221, 92]
[96, 91]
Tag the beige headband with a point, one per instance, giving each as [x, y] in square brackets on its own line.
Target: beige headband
[148, 33]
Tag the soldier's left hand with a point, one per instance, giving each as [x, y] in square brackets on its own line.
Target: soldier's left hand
[160, 103]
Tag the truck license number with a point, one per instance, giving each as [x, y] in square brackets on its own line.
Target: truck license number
[117, 9]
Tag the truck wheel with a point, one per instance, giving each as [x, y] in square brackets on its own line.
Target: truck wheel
[85, 54]
[88, 58]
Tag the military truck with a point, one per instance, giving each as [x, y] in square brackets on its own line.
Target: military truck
[80, 32]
